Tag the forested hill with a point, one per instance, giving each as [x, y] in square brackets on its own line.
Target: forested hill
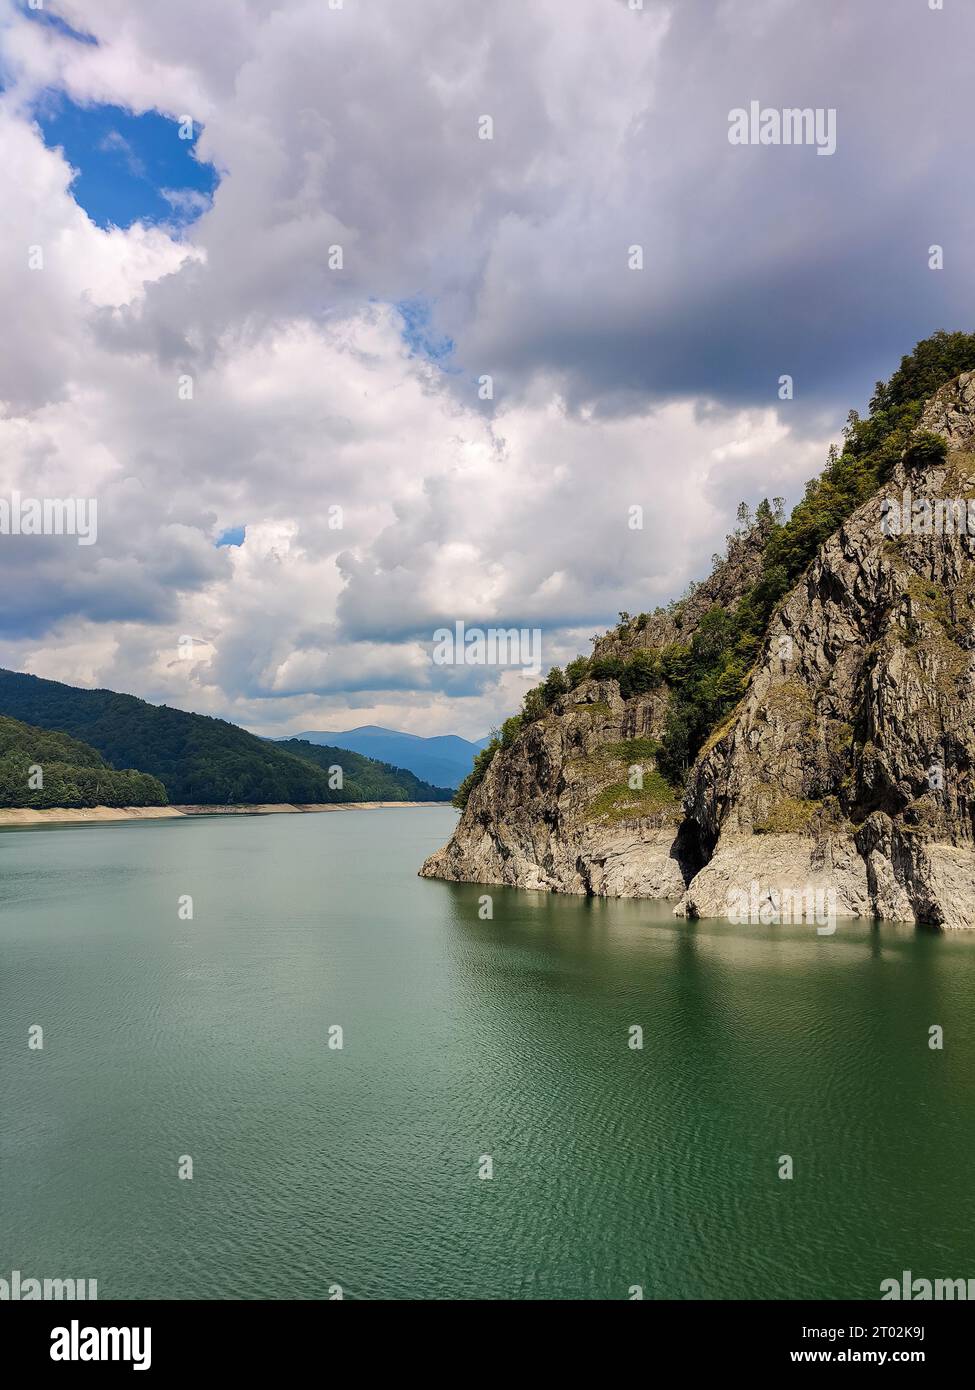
[199, 760]
[364, 778]
[41, 769]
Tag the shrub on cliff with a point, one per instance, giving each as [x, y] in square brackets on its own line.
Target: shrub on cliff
[925, 450]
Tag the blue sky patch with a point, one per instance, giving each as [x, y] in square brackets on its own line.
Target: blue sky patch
[419, 334]
[234, 535]
[54, 21]
[130, 168]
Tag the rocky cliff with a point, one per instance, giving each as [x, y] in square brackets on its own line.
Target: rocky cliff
[576, 804]
[848, 765]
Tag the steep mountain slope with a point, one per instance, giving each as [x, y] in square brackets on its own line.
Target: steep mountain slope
[444, 760]
[563, 807]
[851, 761]
[802, 719]
[365, 779]
[40, 769]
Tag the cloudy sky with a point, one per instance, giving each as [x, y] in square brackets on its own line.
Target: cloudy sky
[186, 350]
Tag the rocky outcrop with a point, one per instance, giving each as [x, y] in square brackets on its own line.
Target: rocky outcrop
[850, 760]
[848, 768]
[730, 579]
[575, 805]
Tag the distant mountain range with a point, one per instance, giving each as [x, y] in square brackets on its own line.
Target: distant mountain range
[444, 760]
[366, 779]
[196, 759]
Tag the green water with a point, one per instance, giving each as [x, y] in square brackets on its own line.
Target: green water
[462, 1038]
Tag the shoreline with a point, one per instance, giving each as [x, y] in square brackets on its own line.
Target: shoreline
[13, 816]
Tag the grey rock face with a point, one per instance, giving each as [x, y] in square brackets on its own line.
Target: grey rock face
[848, 766]
[856, 737]
[556, 810]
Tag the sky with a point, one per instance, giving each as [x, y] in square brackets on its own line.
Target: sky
[259, 260]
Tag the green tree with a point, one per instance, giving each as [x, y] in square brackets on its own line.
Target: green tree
[577, 671]
[554, 685]
[534, 705]
[640, 674]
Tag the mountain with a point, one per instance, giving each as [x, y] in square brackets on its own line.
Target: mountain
[854, 762]
[444, 760]
[802, 720]
[43, 769]
[197, 759]
[365, 779]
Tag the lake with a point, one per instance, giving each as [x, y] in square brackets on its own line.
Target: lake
[463, 1040]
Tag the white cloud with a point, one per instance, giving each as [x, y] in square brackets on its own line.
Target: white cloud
[614, 388]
